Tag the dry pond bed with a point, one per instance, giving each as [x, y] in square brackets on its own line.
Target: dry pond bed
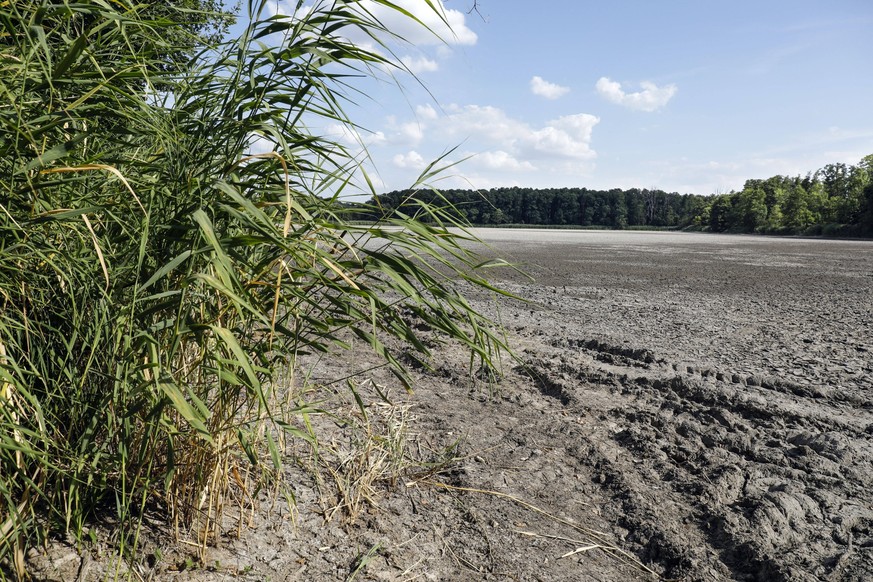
[692, 407]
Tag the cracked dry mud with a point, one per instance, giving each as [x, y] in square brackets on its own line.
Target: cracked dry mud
[703, 403]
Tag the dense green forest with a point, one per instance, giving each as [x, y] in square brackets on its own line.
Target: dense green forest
[834, 200]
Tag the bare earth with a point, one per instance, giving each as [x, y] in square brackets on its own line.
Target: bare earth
[694, 407]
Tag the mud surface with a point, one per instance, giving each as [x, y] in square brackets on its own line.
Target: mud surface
[689, 407]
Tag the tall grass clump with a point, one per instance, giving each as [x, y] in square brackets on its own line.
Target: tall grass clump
[158, 280]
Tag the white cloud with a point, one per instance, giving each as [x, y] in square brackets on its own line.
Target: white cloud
[501, 160]
[426, 112]
[441, 26]
[417, 23]
[484, 122]
[567, 137]
[651, 98]
[260, 145]
[406, 134]
[498, 148]
[543, 88]
[411, 132]
[417, 65]
[349, 135]
[504, 139]
[411, 159]
[283, 8]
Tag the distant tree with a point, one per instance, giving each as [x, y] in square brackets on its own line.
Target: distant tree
[818, 203]
[844, 186]
[532, 208]
[798, 216]
[867, 214]
[650, 200]
[750, 211]
[586, 208]
[721, 213]
[618, 209]
[699, 216]
[692, 207]
[636, 208]
[565, 207]
[866, 164]
[774, 198]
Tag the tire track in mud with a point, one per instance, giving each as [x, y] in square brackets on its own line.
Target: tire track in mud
[717, 475]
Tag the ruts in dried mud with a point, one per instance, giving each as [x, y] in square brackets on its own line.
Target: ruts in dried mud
[734, 378]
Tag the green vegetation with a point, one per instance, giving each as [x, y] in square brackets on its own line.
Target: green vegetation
[836, 200]
[565, 207]
[158, 280]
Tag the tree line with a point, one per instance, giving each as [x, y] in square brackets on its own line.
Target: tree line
[834, 200]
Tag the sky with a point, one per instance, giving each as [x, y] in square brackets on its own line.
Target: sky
[686, 96]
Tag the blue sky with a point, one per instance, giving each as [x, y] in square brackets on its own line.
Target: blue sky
[688, 96]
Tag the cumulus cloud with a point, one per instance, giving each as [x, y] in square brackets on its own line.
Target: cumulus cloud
[445, 26]
[543, 88]
[407, 133]
[567, 137]
[501, 160]
[482, 121]
[283, 8]
[349, 135]
[417, 65]
[431, 27]
[411, 132]
[411, 159]
[508, 146]
[426, 112]
[440, 26]
[498, 148]
[651, 98]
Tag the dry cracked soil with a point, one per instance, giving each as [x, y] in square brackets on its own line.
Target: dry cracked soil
[681, 406]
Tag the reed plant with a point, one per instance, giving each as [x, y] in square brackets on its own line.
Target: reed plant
[173, 238]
